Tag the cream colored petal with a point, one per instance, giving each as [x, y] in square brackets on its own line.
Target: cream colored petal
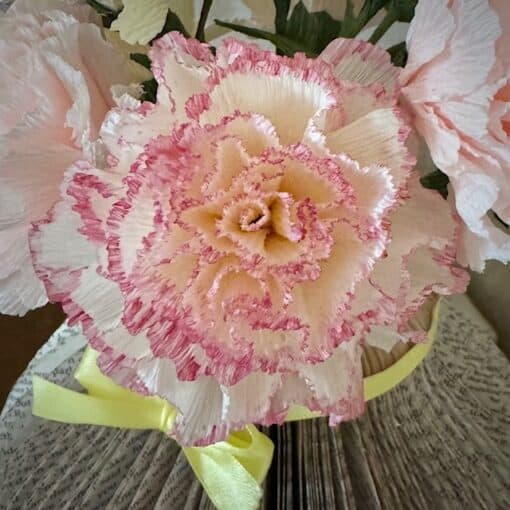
[362, 63]
[287, 101]
[139, 22]
[374, 139]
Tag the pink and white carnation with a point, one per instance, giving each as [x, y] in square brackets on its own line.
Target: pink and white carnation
[248, 233]
[55, 77]
[457, 85]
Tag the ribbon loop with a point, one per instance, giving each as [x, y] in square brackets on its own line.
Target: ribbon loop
[230, 471]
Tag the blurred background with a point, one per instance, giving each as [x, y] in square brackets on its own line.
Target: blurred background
[20, 338]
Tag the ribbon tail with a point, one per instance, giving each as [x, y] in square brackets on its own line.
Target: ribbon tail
[231, 471]
[53, 402]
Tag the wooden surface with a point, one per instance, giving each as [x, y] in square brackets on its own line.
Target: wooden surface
[20, 338]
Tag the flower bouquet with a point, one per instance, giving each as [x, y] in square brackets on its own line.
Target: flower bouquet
[239, 221]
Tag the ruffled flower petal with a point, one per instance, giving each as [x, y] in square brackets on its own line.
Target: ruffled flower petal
[233, 239]
[455, 83]
[62, 69]
[180, 67]
[362, 63]
[419, 261]
[377, 137]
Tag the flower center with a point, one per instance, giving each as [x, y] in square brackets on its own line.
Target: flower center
[254, 217]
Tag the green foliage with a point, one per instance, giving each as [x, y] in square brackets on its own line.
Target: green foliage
[315, 30]
[108, 16]
[284, 44]
[282, 11]
[150, 89]
[172, 22]
[310, 32]
[142, 59]
[396, 10]
[305, 32]
[403, 9]
[206, 7]
[436, 180]
[398, 54]
[352, 26]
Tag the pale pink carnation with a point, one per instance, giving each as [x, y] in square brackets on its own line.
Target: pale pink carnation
[235, 252]
[55, 77]
[457, 84]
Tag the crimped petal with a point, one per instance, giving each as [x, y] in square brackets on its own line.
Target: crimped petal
[80, 12]
[444, 142]
[362, 63]
[63, 69]
[180, 67]
[29, 183]
[420, 260]
[127, 128]
[491, 242]
[337, 384]
[59, 251]
[320, 302]
[88, 67]
[21, 290]
[289, 92]
[431, 17]
[376, 138]
[228, 241]
[468, 183]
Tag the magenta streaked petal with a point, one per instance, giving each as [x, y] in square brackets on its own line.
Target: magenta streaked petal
[228, 254]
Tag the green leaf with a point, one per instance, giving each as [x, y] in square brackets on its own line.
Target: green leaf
[282, 11]
[316, 30]
[206, 7]
[436, 180]
[108, 16]
[397, 10]
[172, 22]
[349, 18]
[150, 89]
[352, 26]
[286, 45]
[398, 54]
[142, 59]
[305, 32]
[403, 9]
[385, 24]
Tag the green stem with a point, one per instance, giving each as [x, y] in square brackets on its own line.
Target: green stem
[369, 9]
[388, 20]
[206, 7]
[107, 15]
[287, 45]
[282, 11]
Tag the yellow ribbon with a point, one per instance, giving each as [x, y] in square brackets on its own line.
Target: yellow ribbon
[382, 382]
[230, 471]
